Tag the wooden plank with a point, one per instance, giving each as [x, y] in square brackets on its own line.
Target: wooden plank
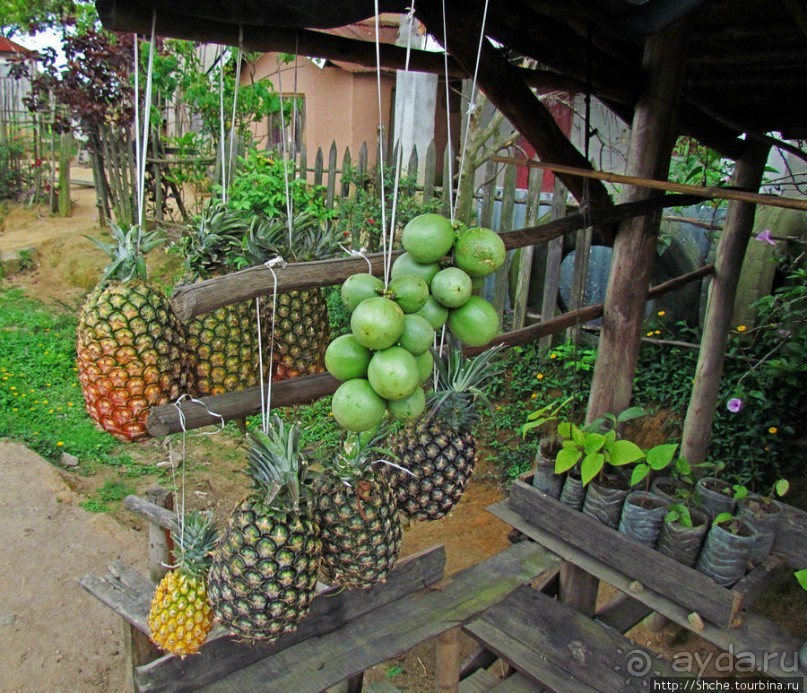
[331, 188]
[622, 613]
[501, 282]
[162, 517]
[791, 537]
[362, 642]
[160, 541]
[124, 591]
[515, 683]
[480, 681]
[550, 633]
[329, 611]
[653, 570]
[757, 635]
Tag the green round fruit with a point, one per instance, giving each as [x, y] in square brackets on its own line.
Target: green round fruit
[346, 359]
[428, 237]
[409, 408]
[476, 323]
[377, 322]
[479, 252]
[356, 405]
[409, 291]
[417, 336]
[406, 264]
[452, 287]
[434, 313]
[425, 364]
[393, 373]
[357, 287]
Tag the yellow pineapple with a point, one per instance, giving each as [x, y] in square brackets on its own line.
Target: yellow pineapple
[180, 616]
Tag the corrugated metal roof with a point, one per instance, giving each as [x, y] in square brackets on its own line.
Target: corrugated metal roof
[8, 46]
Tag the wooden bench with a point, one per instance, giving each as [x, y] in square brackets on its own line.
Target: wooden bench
[345, 633]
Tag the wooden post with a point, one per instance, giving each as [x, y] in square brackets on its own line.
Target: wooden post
[722, 291]
[138, 649]
[66, 145]
[554, 254]
[582, 249]
[448, 661]
[525, 259]
[652, 138]
[159, 538]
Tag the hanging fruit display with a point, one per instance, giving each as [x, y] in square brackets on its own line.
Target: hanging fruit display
[396, 324]
[356, 512]
[131, 347]
[436, 454]
[180, 616]
[264, 567]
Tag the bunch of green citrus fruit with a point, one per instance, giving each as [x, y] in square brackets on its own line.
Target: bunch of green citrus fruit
[386, 357]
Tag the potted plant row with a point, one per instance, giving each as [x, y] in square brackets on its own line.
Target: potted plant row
[707, 524]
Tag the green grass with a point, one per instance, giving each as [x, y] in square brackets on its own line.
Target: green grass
[41, 403]
[110, 492]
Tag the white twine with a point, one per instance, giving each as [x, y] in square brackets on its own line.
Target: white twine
[289, 200]
[392, 464]
[227, 176]
[386, 247]
[141, 157]
[451, 204]
[222, 145]
[137, 116]
[358, 253]
[266, 393]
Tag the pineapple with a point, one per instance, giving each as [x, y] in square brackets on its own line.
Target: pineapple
[180, 615]
[438, 451]
[131, 346]
[265, 566]
[359, 522]
[302, 327]
[224, 342]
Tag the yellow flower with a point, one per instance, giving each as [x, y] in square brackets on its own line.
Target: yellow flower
[59, 444]
[553, 356]
[741, 328]
[539, 376]
[534, 395]
[650, 334]
[661, 313]
[657, 332]
[773, 430]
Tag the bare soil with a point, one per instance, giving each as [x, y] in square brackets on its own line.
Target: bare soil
[55, 637]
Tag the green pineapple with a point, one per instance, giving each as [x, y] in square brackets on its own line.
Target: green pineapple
[438, 451]
[265, 566]
[302, 327]
[224, 341]
[131, 349]
[180, 616]
[356, 511]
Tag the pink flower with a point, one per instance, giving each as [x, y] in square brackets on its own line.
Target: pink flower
[735, 404]
[765, 236]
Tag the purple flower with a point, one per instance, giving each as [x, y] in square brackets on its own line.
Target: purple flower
[766, 237]
[735, 404]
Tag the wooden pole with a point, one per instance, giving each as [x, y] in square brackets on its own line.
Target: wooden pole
[729, 193]
[652, 138]
[447, 663]
[554, 254]
[66, 142]
[722, 292]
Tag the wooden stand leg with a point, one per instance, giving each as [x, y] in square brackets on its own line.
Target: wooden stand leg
[578, 589]
[656, 622]
[159, 538]
[138, 650]
[448, 661]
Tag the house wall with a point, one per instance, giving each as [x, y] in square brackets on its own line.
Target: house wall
[340, 106]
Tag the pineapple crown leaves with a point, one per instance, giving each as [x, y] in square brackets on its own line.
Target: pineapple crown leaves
[194, 543]
[214, 240]
[277, 467]
[460, 385]
[311, 239]
[359, 452]
[127, 252]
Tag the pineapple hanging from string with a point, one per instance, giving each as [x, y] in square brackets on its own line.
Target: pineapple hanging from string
[131, 347]
[357, 514]
[265, 565]
[437, 453]
[223, 342]
[301, 322]
[180, 616]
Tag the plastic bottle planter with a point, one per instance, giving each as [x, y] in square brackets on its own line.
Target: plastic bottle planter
[714, 496]
[684, 543]
[573, 493]
[763, 514]
[642, 516]
[726, 551]
[604, 502]
[666, 486]
[545, 479]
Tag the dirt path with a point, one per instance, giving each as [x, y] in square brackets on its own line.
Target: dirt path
[53, 635]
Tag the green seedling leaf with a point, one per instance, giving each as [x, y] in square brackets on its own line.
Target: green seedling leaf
[640, 472]
[565, 429]
[578, 436]
[801, 576]
[591, 466]
[566, 459]
[630, 413]
[740, 492]
[624, 452]
[660, 456]
[679, 513]
[610, 437]
[593, 443]
[682, 467]
[722, 517]
[781, 487]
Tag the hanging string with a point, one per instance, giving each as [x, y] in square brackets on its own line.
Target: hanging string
[359, 253]
[266, 392]
[222, 142]
[228, 172]
[471, 105]
[136, 43]
[141, 174]
[289, 200]
[448, 117]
